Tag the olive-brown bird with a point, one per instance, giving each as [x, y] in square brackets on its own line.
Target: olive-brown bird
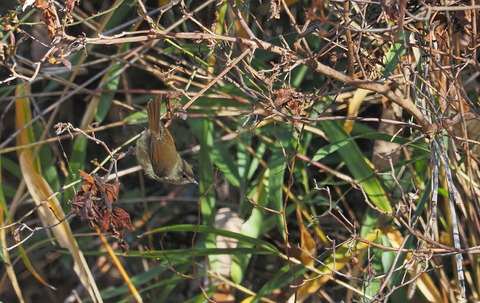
[156, 151]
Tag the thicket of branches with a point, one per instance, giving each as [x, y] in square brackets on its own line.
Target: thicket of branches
[335, 144]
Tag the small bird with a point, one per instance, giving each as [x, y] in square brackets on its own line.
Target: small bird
[156, 151]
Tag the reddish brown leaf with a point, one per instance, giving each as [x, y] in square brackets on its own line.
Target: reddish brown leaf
[111, 191]
[105, 226]
[50, 16]
[87, 177]
[123, 217]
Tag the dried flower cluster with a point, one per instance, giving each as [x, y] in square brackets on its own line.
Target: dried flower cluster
[93, 203]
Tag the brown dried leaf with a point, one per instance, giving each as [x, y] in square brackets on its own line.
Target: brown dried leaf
[116, 222]
[283, 96]
[105, 224]
[111, 192]
[50, 16]
[69, 6]
[122, 219]
[289, 101]
[87, 177]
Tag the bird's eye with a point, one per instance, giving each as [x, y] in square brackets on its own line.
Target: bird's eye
[184, 176]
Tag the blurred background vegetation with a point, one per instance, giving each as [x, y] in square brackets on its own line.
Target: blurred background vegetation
[335, 144]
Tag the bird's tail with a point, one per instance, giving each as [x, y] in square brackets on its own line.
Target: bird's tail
[153, 109]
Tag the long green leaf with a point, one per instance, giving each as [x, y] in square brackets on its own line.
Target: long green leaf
[357, 164]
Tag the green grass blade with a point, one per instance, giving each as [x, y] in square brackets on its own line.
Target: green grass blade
[357, 164]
